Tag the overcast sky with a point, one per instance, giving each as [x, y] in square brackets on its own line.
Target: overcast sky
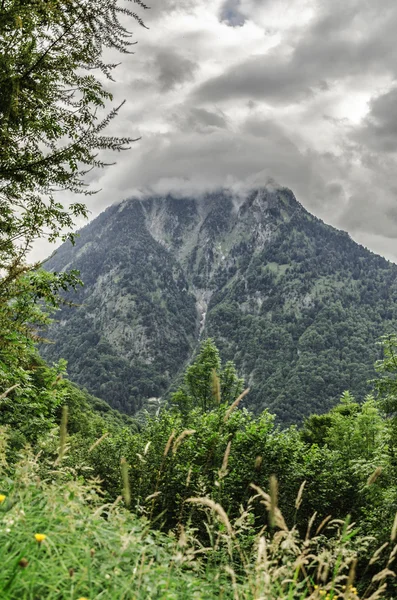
[225, 92]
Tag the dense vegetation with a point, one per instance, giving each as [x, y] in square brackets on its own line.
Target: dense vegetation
[297, 305]
[202, 453]
[196, 497]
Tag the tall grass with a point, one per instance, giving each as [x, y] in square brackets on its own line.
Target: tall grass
[59, 540]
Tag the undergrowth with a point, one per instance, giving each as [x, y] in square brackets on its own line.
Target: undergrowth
[59, 540]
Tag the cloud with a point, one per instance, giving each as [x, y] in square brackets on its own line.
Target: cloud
[379, 129]
[230, 13]
[269, 77]
[173, 69]
[199, 119]
[234, 92]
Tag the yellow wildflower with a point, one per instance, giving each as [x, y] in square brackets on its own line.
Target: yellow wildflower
[39, 537]
[2, 498]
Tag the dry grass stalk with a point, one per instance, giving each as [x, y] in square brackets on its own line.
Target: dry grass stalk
[273, 499]
[392, 556]
[378, 594]
[146, 448]
[189, 476]
[151, 496]
[232, 574]
[323, 524]
[298, 500]
[217, 508]
[235, 404]
[98, 441]
[183, 540]
[126, 482]
[223, 470]
[180, 439]
[262, 554]
[394, 529]
[62, 434]
[382, 575]
[377, 553]
[372, 478]
[267, 501]
[5, 394]
[216, 387]
[310, 525]
[168, 444]
[350, 579]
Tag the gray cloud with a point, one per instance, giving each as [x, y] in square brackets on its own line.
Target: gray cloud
[173, 69]
[200, 120]
[269, 77]
[345, 39]
[230, 13]
[237, 92]
[379, 130]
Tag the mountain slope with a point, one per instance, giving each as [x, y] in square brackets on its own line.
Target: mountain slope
[295, 303]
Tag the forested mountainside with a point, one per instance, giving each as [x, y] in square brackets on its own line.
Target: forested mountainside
[295, 303]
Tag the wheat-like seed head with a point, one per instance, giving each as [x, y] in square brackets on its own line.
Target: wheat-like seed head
[271, 506]
[223, 470]
[217, 508]
[216, 387]
[126, 482]
[98, 441]
[235, 404]
[394, 529]
[323, 524]
[310, 525]
[181, 437]
[298, 500]
[378, 594]
[62, 434]
[168, 444]
[372, 478]
[377, 553]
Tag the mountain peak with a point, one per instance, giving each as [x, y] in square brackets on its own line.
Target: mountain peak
[295, 303]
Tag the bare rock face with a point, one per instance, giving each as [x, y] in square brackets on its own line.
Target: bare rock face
[295, 303]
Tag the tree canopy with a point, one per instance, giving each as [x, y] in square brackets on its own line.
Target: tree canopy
[55, 104]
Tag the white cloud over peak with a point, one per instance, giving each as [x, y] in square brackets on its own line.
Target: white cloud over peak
[229, 92]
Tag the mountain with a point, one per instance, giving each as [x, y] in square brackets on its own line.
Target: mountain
[297, 304]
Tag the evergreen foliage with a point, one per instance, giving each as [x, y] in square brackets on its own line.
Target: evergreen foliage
[295, 304]
[217, 501]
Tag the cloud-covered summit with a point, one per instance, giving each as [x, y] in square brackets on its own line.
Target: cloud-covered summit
[224, 92]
